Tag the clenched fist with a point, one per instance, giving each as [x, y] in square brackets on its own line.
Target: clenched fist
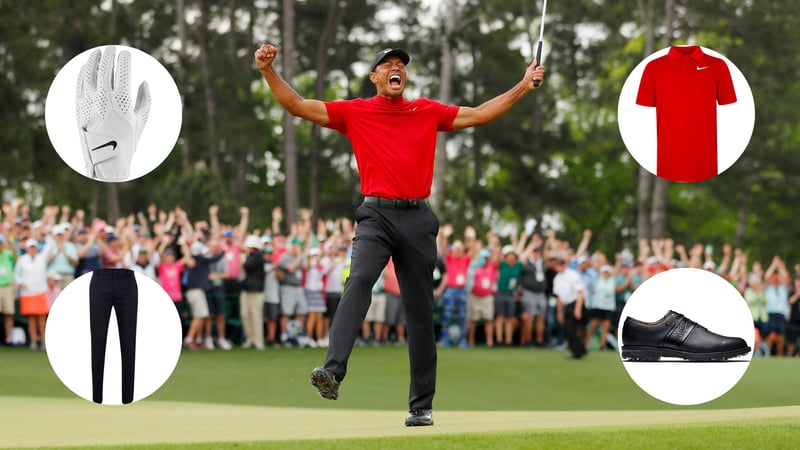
[265, 56]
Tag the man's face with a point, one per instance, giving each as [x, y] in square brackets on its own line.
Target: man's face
[390, 77]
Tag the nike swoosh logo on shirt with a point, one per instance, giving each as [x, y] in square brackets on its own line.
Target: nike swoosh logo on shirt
[701, 68]
[113, 145]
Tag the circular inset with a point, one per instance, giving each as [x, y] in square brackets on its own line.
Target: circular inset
[113, 113]
[113, 336]
[686, 113]
[686, 336]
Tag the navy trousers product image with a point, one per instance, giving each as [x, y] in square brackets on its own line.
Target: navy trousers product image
[114, 336]
[117, 289]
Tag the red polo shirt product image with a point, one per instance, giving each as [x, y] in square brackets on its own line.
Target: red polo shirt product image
[685, 86]
[686, 113]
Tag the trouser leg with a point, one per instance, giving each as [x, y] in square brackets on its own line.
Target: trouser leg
[571, 324]
[371, 251]
[100, 299]
[256, 308]
[414, 263]
[126, 306]
[246, 319]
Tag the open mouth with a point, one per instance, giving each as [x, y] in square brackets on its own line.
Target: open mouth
[394, 80]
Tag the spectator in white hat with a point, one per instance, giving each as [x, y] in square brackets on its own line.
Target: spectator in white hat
[53, 287]
[30, 274]
[315, 296]
[602, 304]
[251, 299]
[63, 255]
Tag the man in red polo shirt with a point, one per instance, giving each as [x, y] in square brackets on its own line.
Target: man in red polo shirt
[394, 142]
[685, 86]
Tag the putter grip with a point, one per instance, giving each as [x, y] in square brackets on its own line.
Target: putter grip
[538, 61]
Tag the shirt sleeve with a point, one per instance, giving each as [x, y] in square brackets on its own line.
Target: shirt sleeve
[337, 111]
[647, 87]
[447, 117]
[725, 91]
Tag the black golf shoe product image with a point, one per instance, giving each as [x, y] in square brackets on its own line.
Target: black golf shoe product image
[686, 336]
[674, 335]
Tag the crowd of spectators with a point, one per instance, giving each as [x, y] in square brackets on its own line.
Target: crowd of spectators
[280, 286]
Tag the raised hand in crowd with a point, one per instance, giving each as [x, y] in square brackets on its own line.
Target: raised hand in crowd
[65, 212]
[322, 229]
[583, 246]
[152, 212]
[277, 217]
[695, 256]
[726, 258]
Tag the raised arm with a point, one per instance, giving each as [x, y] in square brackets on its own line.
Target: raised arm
[292, 102]
[213, 218]
[491, 110]
[244, 221]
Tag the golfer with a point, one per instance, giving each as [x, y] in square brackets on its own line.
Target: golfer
[394, 142]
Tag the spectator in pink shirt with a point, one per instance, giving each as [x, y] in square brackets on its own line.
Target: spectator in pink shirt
[169, 274]
[395, 315]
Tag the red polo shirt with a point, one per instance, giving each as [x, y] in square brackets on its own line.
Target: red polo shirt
[394, 141]
[685, 86]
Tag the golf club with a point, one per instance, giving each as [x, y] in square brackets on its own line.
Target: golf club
[541, 35]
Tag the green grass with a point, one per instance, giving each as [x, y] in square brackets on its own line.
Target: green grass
[524, 380]
[478, 379]
[773, 434]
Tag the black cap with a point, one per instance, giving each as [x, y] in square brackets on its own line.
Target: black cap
[381, 55]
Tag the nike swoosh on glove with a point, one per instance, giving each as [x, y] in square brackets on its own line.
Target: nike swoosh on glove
[109, 122]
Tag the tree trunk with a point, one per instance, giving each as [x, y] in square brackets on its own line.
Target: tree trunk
[658, 216]
[208, 89]
[645, 185]
[332, 21]
[449, 14]
[289, 133]
[180, 21]
[237, 152]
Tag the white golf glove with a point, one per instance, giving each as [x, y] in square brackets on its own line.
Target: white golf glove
[109, 122]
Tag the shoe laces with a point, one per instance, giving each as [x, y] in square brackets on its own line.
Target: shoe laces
[677, 317]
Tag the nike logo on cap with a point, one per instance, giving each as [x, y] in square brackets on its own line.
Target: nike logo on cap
[701, 68]
[113, 145]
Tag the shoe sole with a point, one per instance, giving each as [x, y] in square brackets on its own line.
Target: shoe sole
[419, 423]
[654, 354]
[324, 385]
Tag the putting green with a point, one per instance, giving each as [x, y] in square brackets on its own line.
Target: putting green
[29, 422]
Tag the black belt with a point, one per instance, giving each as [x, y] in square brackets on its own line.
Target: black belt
[400, 203]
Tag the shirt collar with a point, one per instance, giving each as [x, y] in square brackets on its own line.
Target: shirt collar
[387, 102]
[681, 51]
